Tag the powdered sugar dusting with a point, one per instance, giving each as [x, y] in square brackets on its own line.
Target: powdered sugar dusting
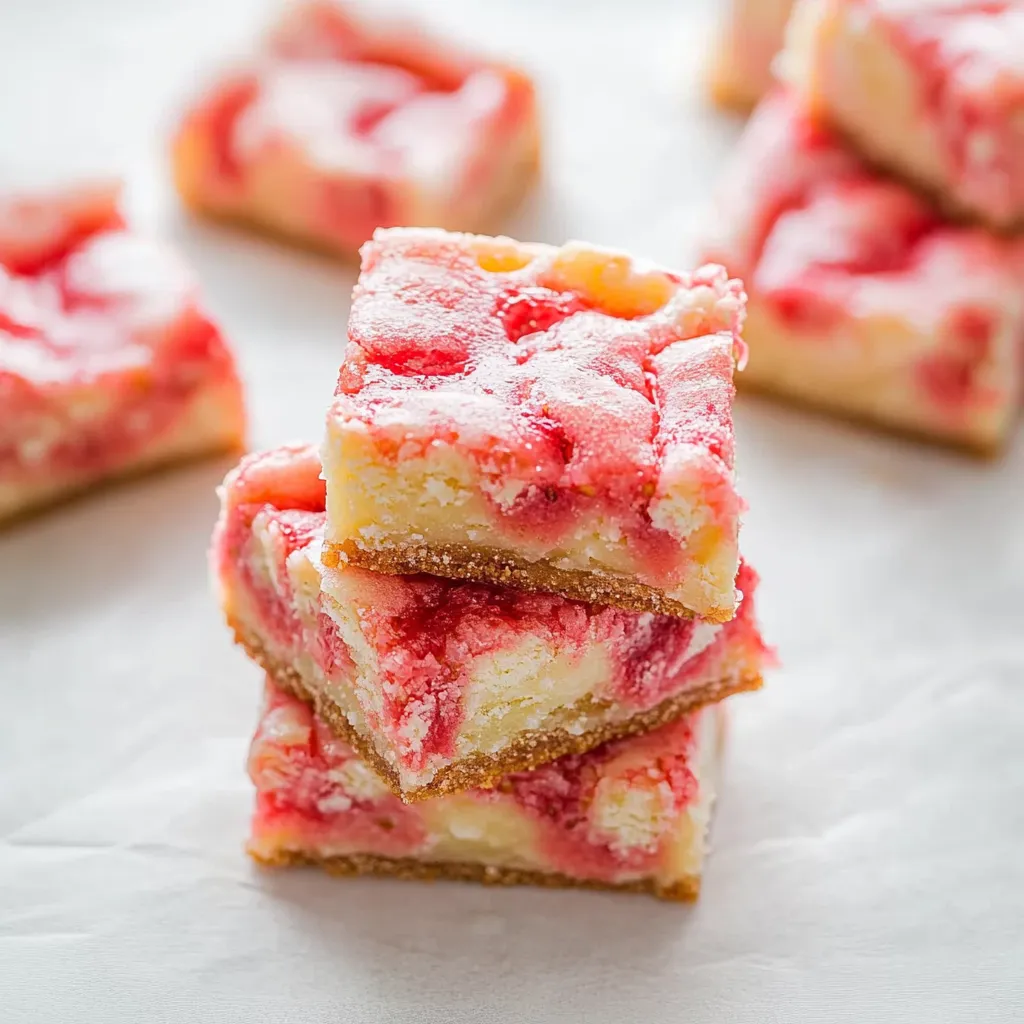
[545, 368]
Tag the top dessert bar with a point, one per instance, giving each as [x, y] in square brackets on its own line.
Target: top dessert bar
[751, 36]
[553, 419]
[931, 90]
[349, 120]
[108, 364]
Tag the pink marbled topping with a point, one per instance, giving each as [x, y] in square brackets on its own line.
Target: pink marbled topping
[580, 407]
[559, 795]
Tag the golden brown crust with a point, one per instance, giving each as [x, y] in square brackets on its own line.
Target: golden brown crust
[508, 569]
[980, 449]
[685, 890]
[528, 751]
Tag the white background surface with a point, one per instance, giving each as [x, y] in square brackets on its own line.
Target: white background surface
[869, 860]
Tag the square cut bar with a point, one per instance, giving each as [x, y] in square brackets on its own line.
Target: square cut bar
[442, 684]
[752, 33]
[862, 299]
[934, 91]
[348, 121]
[108, 365]
[632, 814]
[555, 419]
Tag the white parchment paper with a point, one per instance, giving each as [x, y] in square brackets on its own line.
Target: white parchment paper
[869, 846]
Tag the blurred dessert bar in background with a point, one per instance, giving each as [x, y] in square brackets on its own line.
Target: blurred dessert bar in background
[554, 419]
[932, 91]
[349, 120]
[632, 814]
[442, 685]
[108, 364]
[749, 38]
[862, 298]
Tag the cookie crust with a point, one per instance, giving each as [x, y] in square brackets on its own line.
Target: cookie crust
[684, 890]
[507, 569]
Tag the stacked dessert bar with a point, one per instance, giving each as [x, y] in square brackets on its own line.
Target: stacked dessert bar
[499, 609]
[872, 212]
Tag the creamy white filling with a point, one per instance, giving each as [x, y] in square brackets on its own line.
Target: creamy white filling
[436, 498]
[869, 368]
[629, 816]
[703, 636]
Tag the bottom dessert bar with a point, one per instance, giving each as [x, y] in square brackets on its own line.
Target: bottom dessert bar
[632, 814]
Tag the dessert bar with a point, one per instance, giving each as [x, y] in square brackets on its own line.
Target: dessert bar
[932, 91]
[108, 364]
[862, 298]
[554, 419]
[445, 684]
[632, 814]
[348, 120]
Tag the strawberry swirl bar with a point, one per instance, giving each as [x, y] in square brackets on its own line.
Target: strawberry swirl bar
[752, 34]
[632, 814]
[554, 419]
[108, 365]
[862, 298]
[348, 121]
[932, 89]
[440, 684]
